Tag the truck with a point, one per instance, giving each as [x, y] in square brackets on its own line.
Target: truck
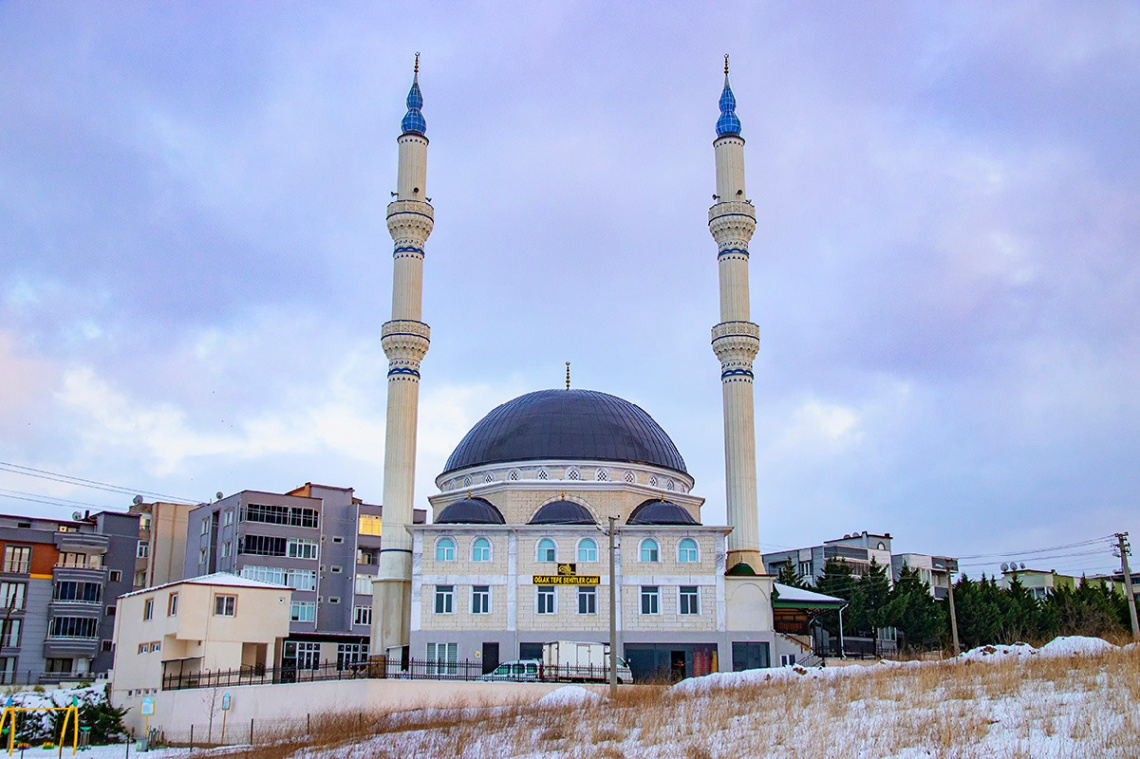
[573, 661]
[563, 662]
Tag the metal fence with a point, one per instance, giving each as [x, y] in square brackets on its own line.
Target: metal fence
[379, 668]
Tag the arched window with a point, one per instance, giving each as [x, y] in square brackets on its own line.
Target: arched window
[573, 473]
[543, 474]
[650, 551]
[445, 549]
[602, 475]
[513, 476]
[466, 482]
[652, 480]
[669, 484]
[481, 550]
[587, 550]
[547, 550]
[630, 477]
[688, 552]
[488, 477]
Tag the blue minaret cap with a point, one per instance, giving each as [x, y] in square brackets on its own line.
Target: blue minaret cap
[414, 119]
[728, 123]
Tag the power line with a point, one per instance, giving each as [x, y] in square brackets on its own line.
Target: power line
[81, 482]
[1014, 554]
[50, 500]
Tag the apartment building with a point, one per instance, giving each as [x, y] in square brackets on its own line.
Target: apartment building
[162, 542]
[59, 581]
[321, 541]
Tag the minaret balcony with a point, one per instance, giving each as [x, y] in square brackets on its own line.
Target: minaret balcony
[732, 208]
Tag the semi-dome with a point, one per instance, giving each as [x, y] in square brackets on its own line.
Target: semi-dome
[563, 512]
[582, 425]
[660, 512]
[470, 511]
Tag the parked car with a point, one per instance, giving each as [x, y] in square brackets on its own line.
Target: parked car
[517, 671]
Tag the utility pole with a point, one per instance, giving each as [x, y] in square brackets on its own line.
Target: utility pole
[951, 568]
[1125, 549]
[613, 614]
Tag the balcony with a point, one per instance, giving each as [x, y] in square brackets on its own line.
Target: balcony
[81, 542]
[17, 566]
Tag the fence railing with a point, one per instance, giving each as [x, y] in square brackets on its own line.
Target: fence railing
[379, 668]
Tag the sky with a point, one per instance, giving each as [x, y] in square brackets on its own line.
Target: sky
[194, 262]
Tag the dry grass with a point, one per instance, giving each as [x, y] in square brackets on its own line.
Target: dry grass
[1079, 707]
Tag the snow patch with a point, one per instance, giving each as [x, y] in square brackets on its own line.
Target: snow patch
[1015, 651]
[1076, 645]
[569, 695]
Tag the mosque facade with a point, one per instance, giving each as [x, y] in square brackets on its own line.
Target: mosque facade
[517, 552]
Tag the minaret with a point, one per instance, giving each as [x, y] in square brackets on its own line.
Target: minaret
[405, 339]
[732, 220]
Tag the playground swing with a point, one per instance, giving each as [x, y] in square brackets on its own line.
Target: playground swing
[71, 715]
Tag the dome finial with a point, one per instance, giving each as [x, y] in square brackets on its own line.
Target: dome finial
[416, 70]
[728, 123]
[414, 119]
[725, 62]
[567, 375]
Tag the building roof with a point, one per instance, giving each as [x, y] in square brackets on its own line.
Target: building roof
[582, 425]
[799, 598]
[655, 511]
[471, 511]
[217, 579]
[562, 512]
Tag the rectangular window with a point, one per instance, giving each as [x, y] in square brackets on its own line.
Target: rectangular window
[144, 523]
[226, 547]
[545, 597]
[72, 591]
[156, 646]
[294, 516]
[58, 666]
[227, 517]
[587, 600]
[110, 611]
[140, 578]
[444, 599]
[107, 645]
[480, 599]
[7, 670]
[17, 559]
[365, 556]
[203, 554]
[143, 549]
[116, 575]
[303, 611]
[12, 595]
[442, 658]
[334, 599]
[79, 560]
[148, 609]
[302, 549]
[369, 524]
[336, 570]
[10, 633]
[361, 615]
[73, 627]
[363, 585]
[225, 606]
[262, 545]
[144, 648]
[690, 599]
[650, 599]
[172, 605]
[205, 526]
[349, 655]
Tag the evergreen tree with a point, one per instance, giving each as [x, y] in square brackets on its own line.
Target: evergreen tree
[838, 580]
[788, 575]
[875, 588]
[920, 620]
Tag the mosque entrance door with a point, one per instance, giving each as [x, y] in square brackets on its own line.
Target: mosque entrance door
[490, 657]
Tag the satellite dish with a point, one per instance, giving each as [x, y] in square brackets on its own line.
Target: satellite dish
[77, 515]
[137, 500]
[1023, 565]
[1004, 567]
[218, 495]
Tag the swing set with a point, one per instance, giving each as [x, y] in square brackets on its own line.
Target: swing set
[70, 716]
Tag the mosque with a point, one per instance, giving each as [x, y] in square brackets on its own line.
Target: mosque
[517, 553]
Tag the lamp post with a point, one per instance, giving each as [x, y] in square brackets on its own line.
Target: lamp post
[613, 613]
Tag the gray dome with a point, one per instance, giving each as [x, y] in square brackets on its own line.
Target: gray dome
[660, 512]
[563, 512]
[470, 511]
[582, 425]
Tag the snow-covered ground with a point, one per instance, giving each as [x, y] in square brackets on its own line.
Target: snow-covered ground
[1075, 697]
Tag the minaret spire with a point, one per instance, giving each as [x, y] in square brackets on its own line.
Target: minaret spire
[736, 340]
[405, 340]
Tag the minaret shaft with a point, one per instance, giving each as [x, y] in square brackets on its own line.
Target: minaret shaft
[736, 340]
[405, 340]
